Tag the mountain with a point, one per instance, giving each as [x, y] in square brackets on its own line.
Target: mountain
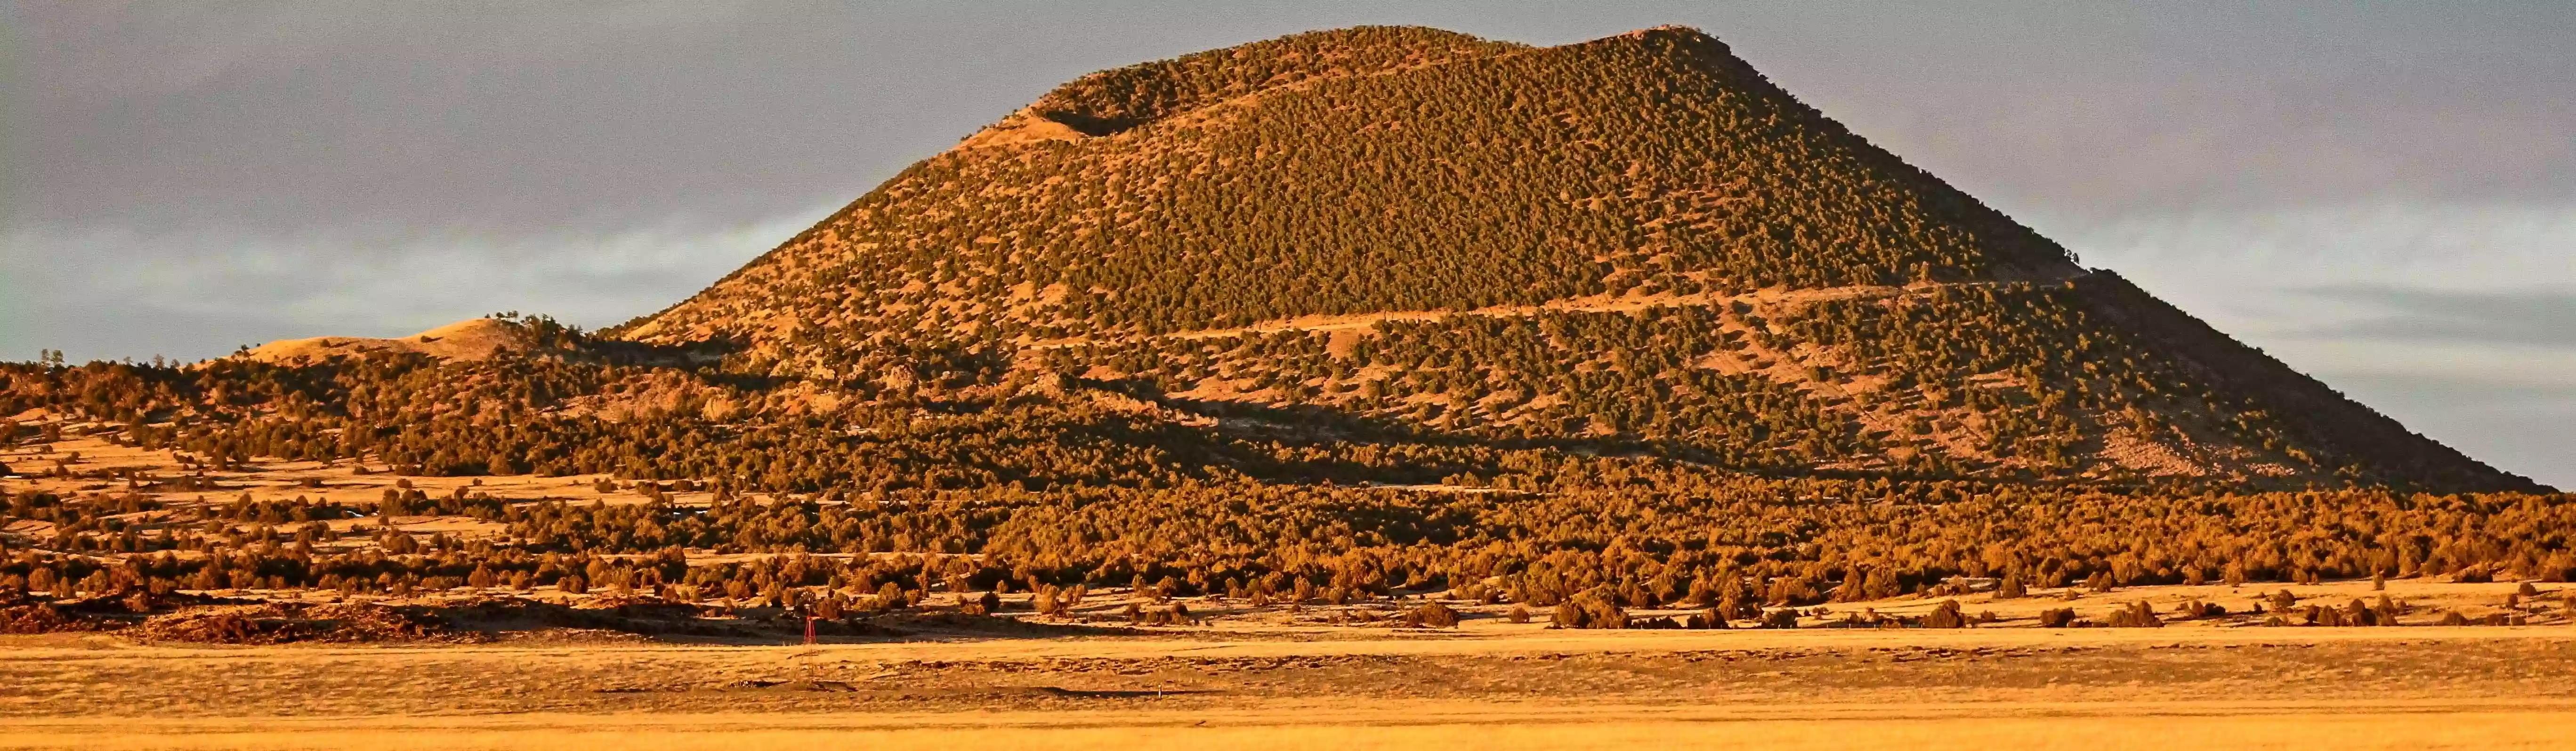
[1327, 317]
[1636, 241]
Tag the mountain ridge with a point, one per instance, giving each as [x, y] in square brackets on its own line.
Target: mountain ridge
[1234, 200]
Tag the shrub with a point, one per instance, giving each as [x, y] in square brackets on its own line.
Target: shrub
[2137, 615]
[1592, 609]
[1432, 615]
[2386, 611]
[2100, 581]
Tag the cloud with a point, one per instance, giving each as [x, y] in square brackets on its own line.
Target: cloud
[283, 117]
[110, 291]
[2520, 428]
[2537, 318]
[2319, 271]
[2430, 244]
[2377, 288]
[2454, 319]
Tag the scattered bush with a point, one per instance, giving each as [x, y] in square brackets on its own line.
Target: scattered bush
[1432, 615]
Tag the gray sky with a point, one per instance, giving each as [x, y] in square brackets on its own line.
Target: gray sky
[2383, 195]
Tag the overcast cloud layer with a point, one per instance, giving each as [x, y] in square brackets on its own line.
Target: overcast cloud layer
[2384, 197]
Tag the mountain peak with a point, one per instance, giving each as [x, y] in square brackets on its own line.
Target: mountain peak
[1637, 237]
[1676, 32]
[1121, 99]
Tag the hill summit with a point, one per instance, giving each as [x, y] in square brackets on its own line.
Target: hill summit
[1635, 237]
[1367, 171]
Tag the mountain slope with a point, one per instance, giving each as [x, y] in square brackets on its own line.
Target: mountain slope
[1637, 239]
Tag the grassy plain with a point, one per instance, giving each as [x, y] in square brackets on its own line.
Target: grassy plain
[2345, 688]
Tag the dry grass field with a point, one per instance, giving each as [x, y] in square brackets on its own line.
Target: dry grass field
[2344, 688]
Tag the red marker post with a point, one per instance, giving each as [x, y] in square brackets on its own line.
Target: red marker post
[809, 630]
